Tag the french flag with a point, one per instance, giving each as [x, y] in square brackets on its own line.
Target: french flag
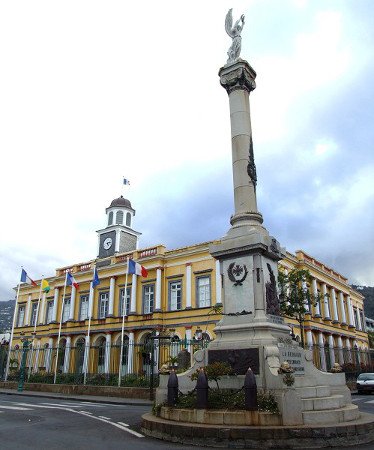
[71, 281]
[135, 268]
[26, 279]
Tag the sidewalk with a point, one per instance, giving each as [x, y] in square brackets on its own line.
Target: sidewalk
[85, 398]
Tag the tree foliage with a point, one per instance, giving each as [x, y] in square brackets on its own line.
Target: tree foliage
[295, 295]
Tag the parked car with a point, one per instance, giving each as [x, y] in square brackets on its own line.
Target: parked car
[365, 383]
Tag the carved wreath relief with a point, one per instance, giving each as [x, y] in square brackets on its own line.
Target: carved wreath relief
[237, 273]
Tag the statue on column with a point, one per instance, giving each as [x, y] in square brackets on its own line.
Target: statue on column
[235, 33]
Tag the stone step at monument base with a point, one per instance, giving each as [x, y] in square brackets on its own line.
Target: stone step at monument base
[323, 403]
[347, 413]
[314, 391]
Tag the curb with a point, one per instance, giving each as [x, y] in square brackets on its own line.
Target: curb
[78, 399]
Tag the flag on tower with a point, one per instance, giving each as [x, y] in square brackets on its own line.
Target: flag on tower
[96, 279]
[135, 268]
[126, 181]
[45, 286]
[26, 279]
[71, 281]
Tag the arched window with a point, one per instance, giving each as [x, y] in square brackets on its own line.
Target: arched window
[128, 219]
[110, 218]
[119, 218]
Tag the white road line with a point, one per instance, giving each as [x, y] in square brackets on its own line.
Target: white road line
[84, 413]
[370, 401]
[17, 408]
[107, 418]
[124, 424]
[62, 404]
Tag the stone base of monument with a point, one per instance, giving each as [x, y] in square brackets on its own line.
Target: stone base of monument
[315, 412]
[352, 433]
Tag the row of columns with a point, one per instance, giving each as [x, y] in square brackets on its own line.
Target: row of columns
[321, 344]
[41, 315]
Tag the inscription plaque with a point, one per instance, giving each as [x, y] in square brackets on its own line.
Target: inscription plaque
[294, 356]
[239, 359]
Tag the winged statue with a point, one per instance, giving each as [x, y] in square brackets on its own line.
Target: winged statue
[235, 33]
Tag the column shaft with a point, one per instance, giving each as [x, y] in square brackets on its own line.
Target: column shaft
[188, 286]
[133, 295]
[112, 287]
[158, 290]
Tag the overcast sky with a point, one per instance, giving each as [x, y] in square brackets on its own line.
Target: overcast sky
[91, 92]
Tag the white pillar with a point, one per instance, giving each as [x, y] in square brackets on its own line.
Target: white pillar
[108, 343]
[188, 286]
[72, 302]
[28, 311]
[112, 287]
[91, 301]
[307, 305]
[315, 294]
[322, 351]
[188, 346]
[309, 339]
[130, 364]
[340, 350]
[342, 308]
[335, 316]
[48, 355]
[36, 356]
[358, 319]
[326, 306]
[133, 295]
[218, 283]
[350, 312]
[348, 347]
[55, 304]
[67, 355]
[331, 348]
[42, 308]
[85, 356]
[158, 290]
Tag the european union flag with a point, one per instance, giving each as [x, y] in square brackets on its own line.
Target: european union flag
[95, 280]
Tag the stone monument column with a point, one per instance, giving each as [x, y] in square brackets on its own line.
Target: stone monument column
[239, 80]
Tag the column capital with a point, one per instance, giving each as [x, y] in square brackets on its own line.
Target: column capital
[237, 76]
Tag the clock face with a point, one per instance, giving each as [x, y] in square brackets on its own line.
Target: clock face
[107, 243]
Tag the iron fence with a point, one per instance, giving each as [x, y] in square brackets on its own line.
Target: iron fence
[100, 364]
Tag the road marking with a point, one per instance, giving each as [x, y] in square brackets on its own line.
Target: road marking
[62, 404]
[124, 424]
[86, 414]
[103, 417]
[370, 401]
[17, 408]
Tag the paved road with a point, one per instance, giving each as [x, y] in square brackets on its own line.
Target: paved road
[54, 424]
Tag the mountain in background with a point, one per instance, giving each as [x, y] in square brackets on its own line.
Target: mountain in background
[368, 293]
[6, 315]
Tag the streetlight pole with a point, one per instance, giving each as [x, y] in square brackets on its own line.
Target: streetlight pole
[25, 349]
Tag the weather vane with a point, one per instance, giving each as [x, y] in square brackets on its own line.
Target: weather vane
[235, 33]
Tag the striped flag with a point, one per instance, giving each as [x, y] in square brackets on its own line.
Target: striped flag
[126, 181]
[71, 281]
[137, 269]
[26, 279]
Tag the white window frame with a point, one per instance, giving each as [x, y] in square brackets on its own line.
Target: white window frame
[34, 311]
[84, 300]
[66, 309]
[127, 302]
[175, 295]
[49, 312]
[21, 316]
[148, 298]
[103, 305]
[204, 290]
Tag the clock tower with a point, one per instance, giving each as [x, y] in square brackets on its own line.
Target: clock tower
[118, 236]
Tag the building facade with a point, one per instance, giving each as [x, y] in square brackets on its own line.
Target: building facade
[180, 300]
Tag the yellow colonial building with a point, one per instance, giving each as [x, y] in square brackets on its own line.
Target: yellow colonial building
[178, 303]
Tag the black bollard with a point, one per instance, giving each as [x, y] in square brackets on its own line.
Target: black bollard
[250, 389]
[202, 390]
[172, 388]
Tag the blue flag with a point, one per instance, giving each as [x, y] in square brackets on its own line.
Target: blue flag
[95, 280]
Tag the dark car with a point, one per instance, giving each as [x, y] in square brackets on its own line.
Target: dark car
[365, 383]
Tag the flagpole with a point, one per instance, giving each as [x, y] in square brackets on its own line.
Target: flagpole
[87, 343]
[59, 330]
[11, 334]
[123, 326]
